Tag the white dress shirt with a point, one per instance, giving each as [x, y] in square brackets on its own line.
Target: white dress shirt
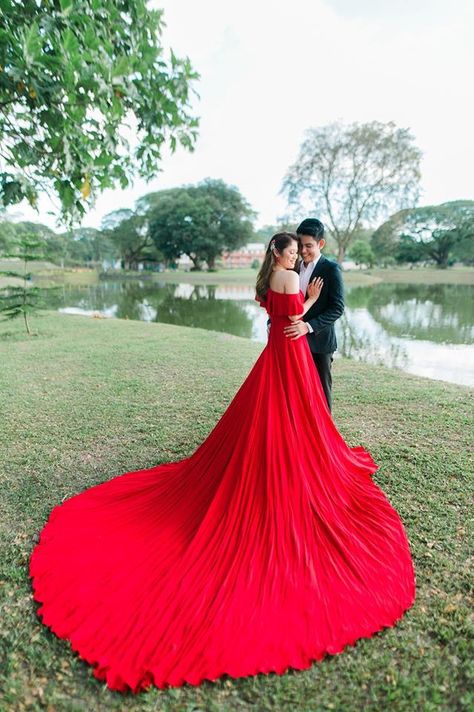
[305, 274]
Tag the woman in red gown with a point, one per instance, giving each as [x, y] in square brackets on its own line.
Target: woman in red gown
[268, 548]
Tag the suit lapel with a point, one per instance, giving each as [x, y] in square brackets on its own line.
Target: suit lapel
[316, 272]
[317, 268]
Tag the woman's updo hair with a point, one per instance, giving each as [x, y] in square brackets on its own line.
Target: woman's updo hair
[276, 245]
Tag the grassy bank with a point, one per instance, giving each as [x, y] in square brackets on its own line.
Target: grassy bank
[36, 268]
[47, 273]
[90, 398]
[226, 276]
[421, 275]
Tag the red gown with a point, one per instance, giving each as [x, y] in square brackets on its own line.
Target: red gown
[268, 548]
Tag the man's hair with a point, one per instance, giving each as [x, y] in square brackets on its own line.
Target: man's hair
[311, 226]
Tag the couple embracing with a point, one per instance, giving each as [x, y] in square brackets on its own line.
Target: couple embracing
[266, 549]
[318, 277]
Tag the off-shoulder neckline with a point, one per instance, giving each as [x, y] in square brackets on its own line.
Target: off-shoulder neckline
[285, 294]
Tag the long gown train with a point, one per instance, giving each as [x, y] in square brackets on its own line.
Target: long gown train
[268, 548]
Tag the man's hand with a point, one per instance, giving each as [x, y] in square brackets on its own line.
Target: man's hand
[296, 317]
[296, 331]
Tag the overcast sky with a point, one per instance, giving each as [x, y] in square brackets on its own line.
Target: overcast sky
[271, 69]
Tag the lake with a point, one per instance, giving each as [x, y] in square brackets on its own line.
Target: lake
[426, 330]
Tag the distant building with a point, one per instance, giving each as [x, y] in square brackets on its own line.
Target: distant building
[244, 256]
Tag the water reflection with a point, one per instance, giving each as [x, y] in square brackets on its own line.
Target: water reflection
[423, 329]
[203, 306]
[438, 312]
[360, 337]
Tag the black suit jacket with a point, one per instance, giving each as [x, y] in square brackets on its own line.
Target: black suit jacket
[328, 308]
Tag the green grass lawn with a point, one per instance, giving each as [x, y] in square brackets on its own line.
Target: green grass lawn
[88, 399]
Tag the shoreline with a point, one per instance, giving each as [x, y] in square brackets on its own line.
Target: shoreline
[245, 276]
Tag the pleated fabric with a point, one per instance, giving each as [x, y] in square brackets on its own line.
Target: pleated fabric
[268, 548]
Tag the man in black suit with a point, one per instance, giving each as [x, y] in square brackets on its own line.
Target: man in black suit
[318, 322]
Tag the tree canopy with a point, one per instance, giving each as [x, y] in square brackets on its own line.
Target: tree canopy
[128, 231]
[76, 78]
[432, 232]
[354, 175]
[362, 254]
[200, 220]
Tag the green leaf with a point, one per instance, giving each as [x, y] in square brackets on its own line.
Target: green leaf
[12, 307]
[67, 6]
[122, 66]
[117, 107]
[32, 48]
[8, 298]
[17, 275]
[70, 42]
[11, 191]
[94, 67]
[91, 40]
[67, 195]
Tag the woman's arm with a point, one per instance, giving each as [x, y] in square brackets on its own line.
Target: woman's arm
[314, 290]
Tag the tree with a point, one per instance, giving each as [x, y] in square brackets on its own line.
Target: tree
[54, 246]
[432, 232]
[86, 245]
[129, 232]
[7, 236]
[409, 251]
[201, 221]
[21, 300]
[354, 175]
[463, 251]
[385, 239]
[31, 230]
[264, 233]
[362, 254]
[75, 77]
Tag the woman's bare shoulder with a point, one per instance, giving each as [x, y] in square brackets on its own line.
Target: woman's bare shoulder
[291, 282]
[285, 282]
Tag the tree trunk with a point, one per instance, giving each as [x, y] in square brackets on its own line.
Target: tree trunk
[24, 300]
[26, 323]
[211, 262]
[341, 252]
[441, 258]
